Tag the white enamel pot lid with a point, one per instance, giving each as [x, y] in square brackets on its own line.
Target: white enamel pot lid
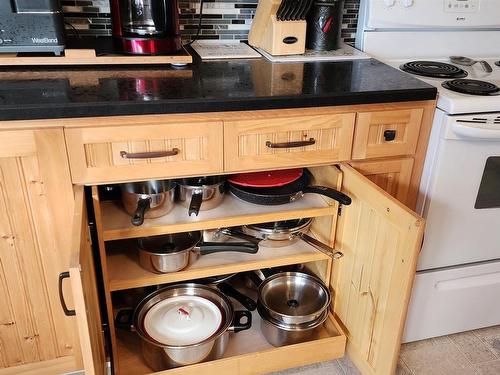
[182, 320]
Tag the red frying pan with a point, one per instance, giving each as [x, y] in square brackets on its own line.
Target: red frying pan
[266, 178]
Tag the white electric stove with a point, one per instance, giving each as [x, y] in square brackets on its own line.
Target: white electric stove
[457, 287]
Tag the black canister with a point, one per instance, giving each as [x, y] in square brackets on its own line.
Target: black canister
[324, 22]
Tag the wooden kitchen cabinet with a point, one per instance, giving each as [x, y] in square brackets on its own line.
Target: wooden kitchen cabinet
[370, 284]
[378, 236]
[36, 205]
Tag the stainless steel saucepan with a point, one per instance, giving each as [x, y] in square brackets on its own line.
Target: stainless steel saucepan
[148, 199]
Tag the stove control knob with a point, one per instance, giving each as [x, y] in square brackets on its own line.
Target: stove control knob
[389, 3]
[407, 3]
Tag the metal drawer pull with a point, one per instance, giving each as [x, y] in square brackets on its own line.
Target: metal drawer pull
[390, 135]
[67, 312]
[149, 155]
[310, 142]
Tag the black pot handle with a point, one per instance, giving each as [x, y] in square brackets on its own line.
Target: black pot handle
[229, 291]
[196, 201]
[219, 247]
[67, 312]
[329, 192]
[125, 320]
[237, 325]
[142, 207]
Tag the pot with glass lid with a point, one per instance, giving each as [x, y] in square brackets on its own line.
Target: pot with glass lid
[183, 324]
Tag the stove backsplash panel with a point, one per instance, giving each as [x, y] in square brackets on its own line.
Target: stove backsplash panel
[222, 19]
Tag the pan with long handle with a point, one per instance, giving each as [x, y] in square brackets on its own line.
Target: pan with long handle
[286, 193]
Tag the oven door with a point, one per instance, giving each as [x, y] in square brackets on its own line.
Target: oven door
[462, 202]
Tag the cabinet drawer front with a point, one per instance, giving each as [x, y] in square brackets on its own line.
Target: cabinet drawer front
[118, 153]
[387, 133]
[287, 141]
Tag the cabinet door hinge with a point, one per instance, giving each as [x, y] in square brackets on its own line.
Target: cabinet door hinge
[339, 213]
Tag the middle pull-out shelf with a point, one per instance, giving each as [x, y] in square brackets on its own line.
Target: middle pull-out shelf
[232, 212]
[124, 271]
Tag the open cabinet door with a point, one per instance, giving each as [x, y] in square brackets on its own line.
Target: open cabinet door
[85, 294]
[380, 239]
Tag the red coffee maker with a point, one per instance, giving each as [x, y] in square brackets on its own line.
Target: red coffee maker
[146, 27]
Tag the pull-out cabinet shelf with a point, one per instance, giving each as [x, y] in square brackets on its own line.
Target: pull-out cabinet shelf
[370, 285]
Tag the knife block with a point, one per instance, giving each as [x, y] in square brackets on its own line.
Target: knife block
[276, 37]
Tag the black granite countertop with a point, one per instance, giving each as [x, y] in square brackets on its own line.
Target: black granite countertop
[201, 87]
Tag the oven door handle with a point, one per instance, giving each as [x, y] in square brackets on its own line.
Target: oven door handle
[472, 132]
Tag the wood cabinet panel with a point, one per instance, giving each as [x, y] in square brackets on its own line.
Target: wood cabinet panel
[35, 200]
[380, 239]
[386, 133]
[96, 155]
[394, 176]
[248, 144]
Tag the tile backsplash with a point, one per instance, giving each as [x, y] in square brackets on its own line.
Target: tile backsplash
[222, 19]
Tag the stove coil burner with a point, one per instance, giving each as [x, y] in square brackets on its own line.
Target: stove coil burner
[433, 69]
[472, 87]
[497, 63]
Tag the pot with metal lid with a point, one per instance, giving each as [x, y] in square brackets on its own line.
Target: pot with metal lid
[184, 324]
[171, 252]
[148, 199]
[201, 193]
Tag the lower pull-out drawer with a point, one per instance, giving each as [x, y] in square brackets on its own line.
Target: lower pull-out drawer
[248, 352]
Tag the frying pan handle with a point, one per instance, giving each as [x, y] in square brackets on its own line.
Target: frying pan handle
[234, 232]
[246, 301]
[142, 207]
[219, 247]
[329, 192]
[196, 200]
[125, 320]
[237, 326]
[295, 144]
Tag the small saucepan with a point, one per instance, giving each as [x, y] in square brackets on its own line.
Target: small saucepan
[171, 252]
[148, 199]
[201, 193]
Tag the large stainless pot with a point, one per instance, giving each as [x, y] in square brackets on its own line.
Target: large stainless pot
[148, 199]
[171, 252]
[161, 355]
[201, 193]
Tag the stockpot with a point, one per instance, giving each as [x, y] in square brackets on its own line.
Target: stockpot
[184, 324]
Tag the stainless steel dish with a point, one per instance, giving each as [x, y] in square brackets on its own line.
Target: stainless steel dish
[163, 355]
[201, 193]
[279, 334]
[172, 252]
[148, 199]
[292, 298]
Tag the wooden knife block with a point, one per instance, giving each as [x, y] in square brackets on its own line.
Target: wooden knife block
[276, 37]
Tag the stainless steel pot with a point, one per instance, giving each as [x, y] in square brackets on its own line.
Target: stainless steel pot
[162, 355]
[279, 334]
[171, 252]
[292, 298]
[201, 193]
[148, 199]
